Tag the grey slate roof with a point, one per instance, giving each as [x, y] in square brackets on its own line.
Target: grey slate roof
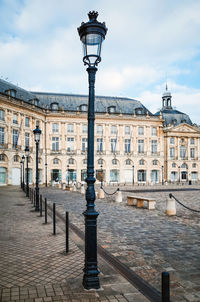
[72, 102]
[174, 117]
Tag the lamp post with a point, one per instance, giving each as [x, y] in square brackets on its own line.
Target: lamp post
[46, 175]
[179, 174]
[27, 176]
[23, 159]
[37, 133]
[68, 175]
[162, 175]
[21, 173]
[133, 173]
[92, 34]
[101, 176]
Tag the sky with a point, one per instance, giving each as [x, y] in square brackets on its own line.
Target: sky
[148, 43]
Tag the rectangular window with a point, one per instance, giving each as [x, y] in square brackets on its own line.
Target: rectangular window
[113, 144]
[113, 129]
[1, 115]
[84, 144]
[154, 131]
[140, 146]
[172, 140]
[99, 129]
[70, 128]
[55, 128]
[15, 118]
[192, 152]
[27, 139]
[27, 120]
[84, 128]
[2, 136]
[172, 152]
[127, 145]
[154, 146]
[192, 141]
[182, 152]
[127, 130]
[55, 143]
[70, 144]
[99, 144]
[15, 137]
[140, 130]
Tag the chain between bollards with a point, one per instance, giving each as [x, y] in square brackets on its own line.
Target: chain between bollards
[165, 287]
[54, 218]
[67, 231]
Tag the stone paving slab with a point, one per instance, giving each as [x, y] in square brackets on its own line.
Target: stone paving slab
[148, 242]
[34, 266]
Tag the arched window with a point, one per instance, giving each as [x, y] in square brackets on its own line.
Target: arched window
[141, 162]
[184, 166]
[155, 162]
[112, 109]
[55, 161]
[114, 161]
[139, 111]
[83, 107]
[100, 161]
[173, 165]
[128, 162]
[71, 161]
[54, 106]
[16, 158]
[2, 157]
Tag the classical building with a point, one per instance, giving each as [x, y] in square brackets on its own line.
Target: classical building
[132, 145]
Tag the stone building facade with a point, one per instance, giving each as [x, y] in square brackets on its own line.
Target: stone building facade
[132, 145]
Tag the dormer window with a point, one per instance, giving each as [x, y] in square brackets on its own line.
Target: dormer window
[36, 102]
[54, 106]
[84, 107]
[139, 111]
[112, 109]
[11, 92]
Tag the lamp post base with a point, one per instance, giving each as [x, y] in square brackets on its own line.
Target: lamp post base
[91, 282]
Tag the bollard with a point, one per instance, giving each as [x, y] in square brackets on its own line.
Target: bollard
[118, 197]
[165, 287]
[101, 193]
[171, 207]
[54, 218]
[74, 187]
[67, 231]
[45, 209]
[82, 189]
[40, 205]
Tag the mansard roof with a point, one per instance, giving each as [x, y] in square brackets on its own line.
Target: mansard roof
[174, 117]
[73, 102]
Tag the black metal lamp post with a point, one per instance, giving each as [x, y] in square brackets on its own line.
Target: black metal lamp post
[46, 175]
[21, 173]
[92, 35]
[23, 159]
[162, 175]
[101, 176]
[133, 174]
[179, 174]
[37, 133]
[68, 175]
[27, 176]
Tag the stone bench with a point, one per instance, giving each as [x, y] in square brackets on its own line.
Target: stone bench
[141, 201]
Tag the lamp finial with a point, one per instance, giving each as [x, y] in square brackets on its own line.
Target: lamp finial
[93, 15]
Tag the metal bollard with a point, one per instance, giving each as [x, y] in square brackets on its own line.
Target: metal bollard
[67, 231]
[45, 209]
[165, 287]
[54, 218]
[40, 205]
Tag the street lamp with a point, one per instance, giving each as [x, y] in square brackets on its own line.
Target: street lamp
[162, 175]
[46, 175]
[68, 175]
[101, 176]
[21, 173]
[27, 180]
[37, 133]
[23, 159]
[179, 173]
[92, 34]
[133, 174]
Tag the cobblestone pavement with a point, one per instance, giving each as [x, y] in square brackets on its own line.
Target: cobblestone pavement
[148, 242]
[34, 266]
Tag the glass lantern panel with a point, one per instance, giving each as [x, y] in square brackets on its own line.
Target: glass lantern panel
[37, 137]
[92, 46]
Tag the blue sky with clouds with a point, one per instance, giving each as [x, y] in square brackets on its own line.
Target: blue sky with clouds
[148, 42]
